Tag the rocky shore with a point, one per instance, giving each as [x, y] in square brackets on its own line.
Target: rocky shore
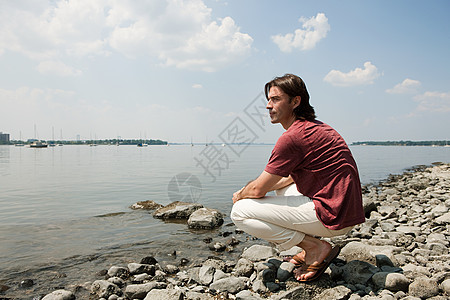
[400, 252]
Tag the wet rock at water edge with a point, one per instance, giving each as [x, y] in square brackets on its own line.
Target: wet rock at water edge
[146, 205]
[26, 283]
[60, 295]
[176, 210]
[205, 218]
[149, 260]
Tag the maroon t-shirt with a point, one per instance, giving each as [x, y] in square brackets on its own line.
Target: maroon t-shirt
[323, 168]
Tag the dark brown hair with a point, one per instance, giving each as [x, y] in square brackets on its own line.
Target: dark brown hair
[294, 86]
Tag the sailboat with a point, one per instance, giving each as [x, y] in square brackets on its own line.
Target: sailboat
[52, 144]
[60, 140]
[20, 143]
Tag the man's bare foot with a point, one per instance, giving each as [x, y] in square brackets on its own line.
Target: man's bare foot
[315, 253]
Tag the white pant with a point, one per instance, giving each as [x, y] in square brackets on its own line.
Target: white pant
[283, 219]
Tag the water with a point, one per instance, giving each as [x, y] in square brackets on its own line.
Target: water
[65, 210]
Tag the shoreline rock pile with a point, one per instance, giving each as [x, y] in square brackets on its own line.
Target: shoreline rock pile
[400, 252]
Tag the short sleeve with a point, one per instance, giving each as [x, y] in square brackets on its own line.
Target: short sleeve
[284, 158]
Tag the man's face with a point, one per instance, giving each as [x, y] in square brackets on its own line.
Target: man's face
[280, 108]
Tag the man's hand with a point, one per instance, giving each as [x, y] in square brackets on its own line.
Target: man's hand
[257, 188]
[237, 195]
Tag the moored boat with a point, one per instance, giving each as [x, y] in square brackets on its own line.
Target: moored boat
[38, 144]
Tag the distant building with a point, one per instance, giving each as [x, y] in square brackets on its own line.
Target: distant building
[4, 138]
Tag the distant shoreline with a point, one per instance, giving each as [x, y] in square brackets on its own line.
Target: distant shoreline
[402, 143]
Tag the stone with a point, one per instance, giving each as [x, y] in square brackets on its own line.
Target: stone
[272, 286]
[104, 288]
[391, 281]
[166, 294]
[191, 295]
[358, 272]
[383, 260]
[285, 271]
[219, 274]
[244, 267]
[26, 283]
[218, 247]
[176, 210]
[423, 287]
[258, 252]
[412, 230]
[339, 292]
[117, 281]
[205, 218]
[139, 291]
[296, 293]
[259, 286]
[206, 274]
[444, 219]
[247, 295]
[268, 275]
[231, 284]
[147, 205]
[135, 268]
[140, 278]
[119, 272]
[149, 260]
[361, 251]
[445, 286]
[60, 295]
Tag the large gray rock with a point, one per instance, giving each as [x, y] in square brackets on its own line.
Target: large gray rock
[60, 295]
[424, 288]
[231, 284]
[205, 218]
[164, 295]
[176, 210]
[139, 291]
[258, 252]
[367, 253]
[393, 282]
[358, 272]
[104, 289]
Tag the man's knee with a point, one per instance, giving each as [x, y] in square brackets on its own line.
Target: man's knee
[237, 212]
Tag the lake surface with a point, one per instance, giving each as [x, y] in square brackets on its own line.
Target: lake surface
[66, 209]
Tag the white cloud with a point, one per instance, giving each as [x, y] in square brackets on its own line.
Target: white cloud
[312, 31]
[177, 33]
[407, 86]
[355, 77]
[57, 68]
[433, 102]
[197, 86]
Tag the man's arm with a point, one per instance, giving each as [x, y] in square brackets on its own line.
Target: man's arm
[257, 188]
[284, 182]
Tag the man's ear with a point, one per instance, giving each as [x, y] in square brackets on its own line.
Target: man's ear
[296, 101]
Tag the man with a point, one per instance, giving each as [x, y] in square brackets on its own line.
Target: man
[315, 178]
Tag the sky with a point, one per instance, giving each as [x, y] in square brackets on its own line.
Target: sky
[185, 71]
